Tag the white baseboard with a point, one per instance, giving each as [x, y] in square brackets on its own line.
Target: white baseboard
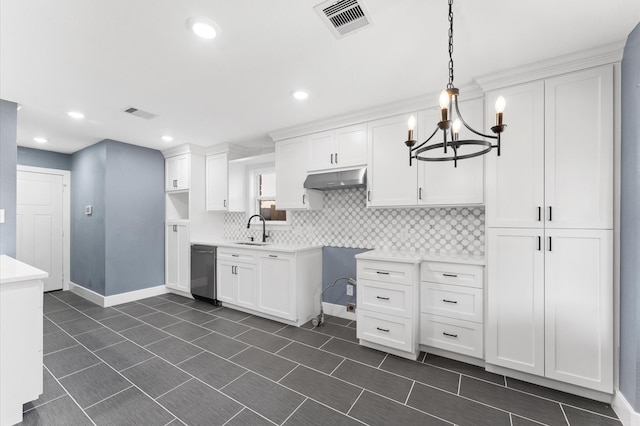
[116, 299]
[338, 311]
[628, 416]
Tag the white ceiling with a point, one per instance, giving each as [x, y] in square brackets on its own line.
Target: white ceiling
[100, 57]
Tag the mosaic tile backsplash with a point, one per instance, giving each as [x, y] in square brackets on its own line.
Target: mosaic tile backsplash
[346, 222]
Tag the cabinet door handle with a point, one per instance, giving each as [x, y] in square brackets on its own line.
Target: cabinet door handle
[539, 214]
[369, 196]
[549, 243]
[450, 301]
[336, 158]
[382, 273]
[419, 193]
[382, 298]
[331, 158]
[303, 199]
[386, 330]
[273, 255]
[539, 243]
[450, 335]
[450, 275]
[235, 255]
[550, 214]
[224, 203]
[175, 183]
[175, 228]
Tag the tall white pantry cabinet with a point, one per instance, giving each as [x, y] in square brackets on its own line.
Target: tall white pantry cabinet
[550, 231]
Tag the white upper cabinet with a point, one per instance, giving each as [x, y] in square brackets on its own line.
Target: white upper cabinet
[339, 148]
[390, 179]
[515, 179]
[556, 164]
[439, 182]
[217, 177]
[291, 171]
[579, 149]
[177, 173]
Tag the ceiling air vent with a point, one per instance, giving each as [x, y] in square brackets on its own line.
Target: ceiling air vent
[140, 113]
[343, 17]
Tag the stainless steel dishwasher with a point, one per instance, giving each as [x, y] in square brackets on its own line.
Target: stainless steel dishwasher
[203, 273]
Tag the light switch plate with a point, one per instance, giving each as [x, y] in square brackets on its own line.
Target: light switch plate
[1, 215]
[88, 210]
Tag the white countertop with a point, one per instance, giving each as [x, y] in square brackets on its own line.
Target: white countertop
[289, 248]
[12, 270]
[417, 257]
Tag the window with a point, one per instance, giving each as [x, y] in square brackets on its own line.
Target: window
[265, 196]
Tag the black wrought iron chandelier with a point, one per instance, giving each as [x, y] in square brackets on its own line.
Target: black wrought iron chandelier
[451, 128]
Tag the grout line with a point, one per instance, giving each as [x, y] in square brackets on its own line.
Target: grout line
[173, 388]
[157, 341]
[564, 414]
[337, 366]
[354, 402]
[59, 350]
[280, 329]
[191, 357]
[282, 348]
[297, 408]
[330, 339]
[82, 369]
[406, 401]
[138, 363]
[290, 371]
[382, 362]
[237, 379]
[459, 384]
[44, 403]
[510, 419]
[104, 399]
[108, 346]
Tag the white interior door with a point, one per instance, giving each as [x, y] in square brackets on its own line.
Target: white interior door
[39, 227]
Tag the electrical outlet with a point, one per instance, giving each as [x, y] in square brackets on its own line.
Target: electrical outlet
[349, 290]
[351, 307]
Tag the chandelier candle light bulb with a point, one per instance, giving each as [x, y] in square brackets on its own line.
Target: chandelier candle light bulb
[457, 125]
[444, 104]
[500, 104]
[412, 127]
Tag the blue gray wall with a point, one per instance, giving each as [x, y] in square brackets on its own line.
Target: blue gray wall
[339, 262]
[630, 224]
[46, 159]
[134, 218]
[88, 174]
[8, 154]
[120, 246]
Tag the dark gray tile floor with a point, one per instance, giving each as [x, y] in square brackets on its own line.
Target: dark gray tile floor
[169, 360]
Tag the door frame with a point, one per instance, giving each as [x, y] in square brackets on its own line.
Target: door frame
[66, 216]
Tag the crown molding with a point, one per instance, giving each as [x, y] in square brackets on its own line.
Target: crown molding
[183, 149]
[413, 104]
[583, 59]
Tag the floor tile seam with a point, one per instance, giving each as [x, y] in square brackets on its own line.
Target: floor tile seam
[191, 357]
[59, 350]
[153, 355]
[330, 335]
[466, 375]
[117, 314]
[406, 401]
[232, 381]
[295, 367]
[248, 409]
[337, 366]
[174, 388]
[69, 395]
[53, 312]
[108, 397]
[346, 414]
[157, 341]
[562, 404]
[294, 411]
[459, 384]
[355, 401]
[81, 370]
[108, 346]
[382, 362]
[564, 414]
[95, 329]
[45, 403]
[284, 347]
[51, 332]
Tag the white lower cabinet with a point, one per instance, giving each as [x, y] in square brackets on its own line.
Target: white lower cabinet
[550, 304]
[451, 307]
[387, 300]
[278, 285]
[177, 257]
[237, 283]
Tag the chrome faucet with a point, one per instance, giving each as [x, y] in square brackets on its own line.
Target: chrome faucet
[264, 226]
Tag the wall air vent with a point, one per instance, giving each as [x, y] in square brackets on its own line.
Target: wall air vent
[343, 17]
[140, 113]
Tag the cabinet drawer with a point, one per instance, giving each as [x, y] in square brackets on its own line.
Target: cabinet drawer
[452, 273]
[451, 301]
[388, 330]
[391, 272]
[237, 255]
[384, 297]
[458, 336]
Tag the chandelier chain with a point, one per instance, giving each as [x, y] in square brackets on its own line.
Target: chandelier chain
[450, 84]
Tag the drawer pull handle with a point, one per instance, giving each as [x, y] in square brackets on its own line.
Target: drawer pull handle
[450, 335]
[450, 275]
[386, 330]
[449, 301]
[382, 273]
[273, 255]
[235, 255]
[382, 298]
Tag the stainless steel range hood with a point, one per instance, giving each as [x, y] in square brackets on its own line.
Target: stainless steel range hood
[354, 178]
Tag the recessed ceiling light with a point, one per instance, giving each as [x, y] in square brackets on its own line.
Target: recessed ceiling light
[300, 95]
[203, 27]
[40, 140]
[75, 114]
[167, 138]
